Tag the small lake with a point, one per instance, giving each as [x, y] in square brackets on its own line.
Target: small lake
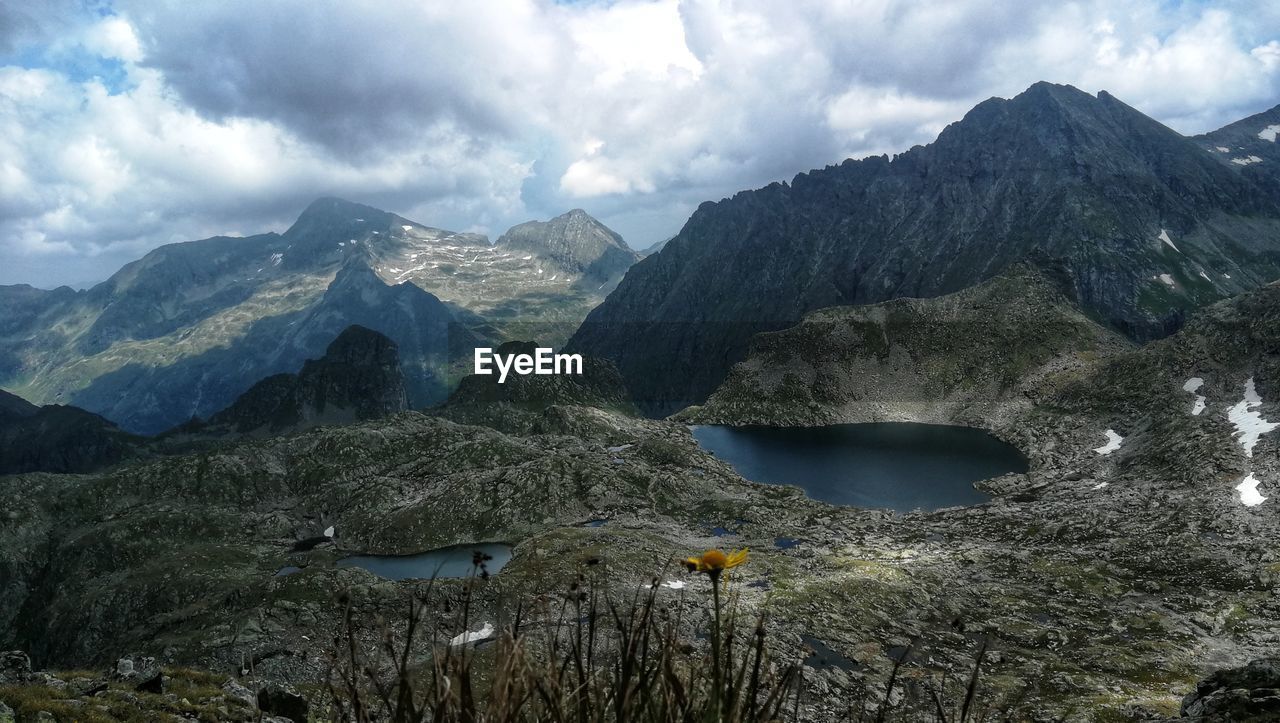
[896, 465]
[445, 562]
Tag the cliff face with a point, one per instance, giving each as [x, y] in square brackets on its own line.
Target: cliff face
[1140, 223]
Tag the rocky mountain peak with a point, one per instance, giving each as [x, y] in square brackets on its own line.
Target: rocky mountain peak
[360, 346]
[329, 211]
[576, 242]
[332, 228]
[358, 378]
[1049, 121]
[1140, 222]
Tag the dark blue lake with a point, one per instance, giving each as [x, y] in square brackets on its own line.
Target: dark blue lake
[446, 562]
[894, 465]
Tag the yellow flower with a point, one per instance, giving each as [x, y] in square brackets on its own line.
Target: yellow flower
[713, 562]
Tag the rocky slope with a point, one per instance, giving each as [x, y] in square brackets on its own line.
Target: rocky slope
[1249, 144]
[358, 378]
[1089, 614]
[1109, 579]
[988, 352]
[57, 438]
[14, 407]
[521, 403]
[538, 280]
[190, 326]
[655, 248]
[1141, 223]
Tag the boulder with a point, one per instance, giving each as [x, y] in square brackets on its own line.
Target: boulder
[280, 701]
[153, 684]
[1247, 693]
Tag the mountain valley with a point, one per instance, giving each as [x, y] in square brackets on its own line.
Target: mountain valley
[1085, 285]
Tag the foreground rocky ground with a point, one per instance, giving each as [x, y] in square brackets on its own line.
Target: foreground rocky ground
[1107, 585]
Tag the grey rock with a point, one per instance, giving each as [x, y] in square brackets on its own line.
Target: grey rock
[15, 667]
[154, 684]
[235, 690]
[1247, 693]
[284, 702]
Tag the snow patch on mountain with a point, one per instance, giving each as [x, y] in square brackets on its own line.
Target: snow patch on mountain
[1193, 385]
[484, 633]
[1248, 420]
[1113, 443]
[1164, 236]
[1249, 494]
[1269, 133]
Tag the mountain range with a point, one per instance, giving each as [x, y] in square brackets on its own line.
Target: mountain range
[1140, 223]
[183, 331]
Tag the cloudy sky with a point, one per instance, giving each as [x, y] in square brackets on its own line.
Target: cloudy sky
[125, 125]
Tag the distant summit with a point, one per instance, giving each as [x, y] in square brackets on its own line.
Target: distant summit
[577, 243]
[1141, 224]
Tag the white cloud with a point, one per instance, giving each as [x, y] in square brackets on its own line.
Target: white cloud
[113, 37]
[233, 115]
[1268, 55]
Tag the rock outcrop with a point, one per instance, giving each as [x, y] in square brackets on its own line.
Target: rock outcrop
[985, 352]
[1250, 693]
[358, 378]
